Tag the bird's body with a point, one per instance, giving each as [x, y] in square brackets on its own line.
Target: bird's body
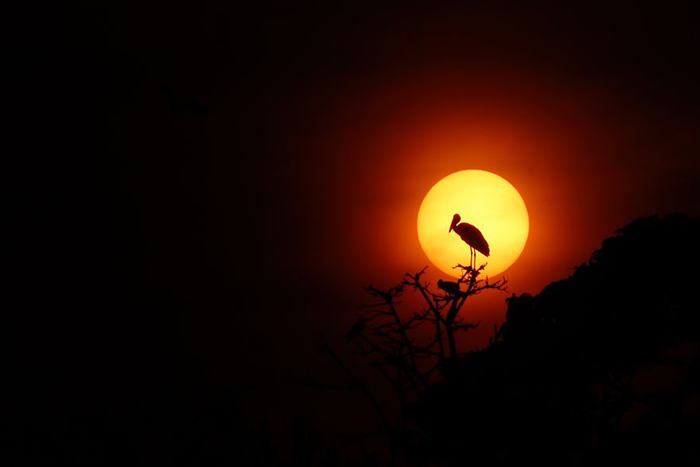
[450, 287]
[473, 237]
[470, 235]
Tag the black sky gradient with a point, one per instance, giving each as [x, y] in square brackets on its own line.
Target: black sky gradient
[158, 253]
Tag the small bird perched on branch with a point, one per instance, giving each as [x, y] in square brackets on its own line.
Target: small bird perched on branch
[356, 329]
[450, 287]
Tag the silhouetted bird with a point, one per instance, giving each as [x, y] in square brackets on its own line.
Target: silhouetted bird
[451, 288]
[178, 107]
[357, 329]
[471, 236]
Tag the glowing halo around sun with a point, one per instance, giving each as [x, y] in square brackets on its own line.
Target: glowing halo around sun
[484, 200]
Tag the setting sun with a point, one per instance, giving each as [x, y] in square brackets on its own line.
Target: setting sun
[483, 199]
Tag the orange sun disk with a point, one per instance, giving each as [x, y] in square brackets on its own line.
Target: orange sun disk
[484, 200]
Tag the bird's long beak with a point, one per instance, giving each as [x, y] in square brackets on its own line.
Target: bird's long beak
[452, 225]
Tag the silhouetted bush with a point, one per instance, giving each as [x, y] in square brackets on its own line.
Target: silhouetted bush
[598, 369]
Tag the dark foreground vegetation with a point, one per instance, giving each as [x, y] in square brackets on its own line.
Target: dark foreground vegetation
[600, 368]
[597, 369]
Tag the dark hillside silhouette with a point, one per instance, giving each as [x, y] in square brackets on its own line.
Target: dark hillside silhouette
[600, 368]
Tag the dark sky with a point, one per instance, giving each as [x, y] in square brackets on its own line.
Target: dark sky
[168, 245]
